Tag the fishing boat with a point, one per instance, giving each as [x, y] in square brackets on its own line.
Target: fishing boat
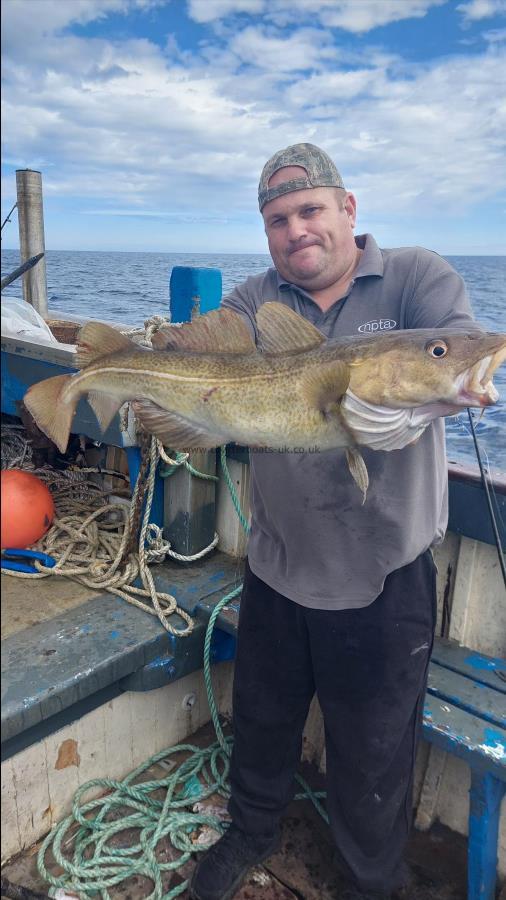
[95, 687]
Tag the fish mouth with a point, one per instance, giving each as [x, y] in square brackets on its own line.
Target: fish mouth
[474, 386]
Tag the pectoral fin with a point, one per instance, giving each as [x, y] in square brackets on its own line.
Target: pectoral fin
[358, 470]
[173, 430]
[325, 385]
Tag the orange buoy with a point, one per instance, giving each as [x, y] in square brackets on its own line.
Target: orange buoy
[27, 509]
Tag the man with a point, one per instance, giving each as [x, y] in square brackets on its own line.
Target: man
[338, 598]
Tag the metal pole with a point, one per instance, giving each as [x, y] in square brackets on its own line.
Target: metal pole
[20, 270]
[31, 237]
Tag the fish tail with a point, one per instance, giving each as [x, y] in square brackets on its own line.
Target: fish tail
[52, 412]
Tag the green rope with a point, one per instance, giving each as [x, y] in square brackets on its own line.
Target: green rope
[100, 859]
[181, 459]
[233, 492]
[198, 474]
[98, 864]
[223, 742]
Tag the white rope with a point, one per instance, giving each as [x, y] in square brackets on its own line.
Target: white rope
[159, 548]
[143, 335]
[168, 459]
[89, 538]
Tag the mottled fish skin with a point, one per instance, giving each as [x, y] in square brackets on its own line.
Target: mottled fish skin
[296, 390]
[254, 400]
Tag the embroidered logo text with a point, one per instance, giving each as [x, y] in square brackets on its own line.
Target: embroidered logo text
[377, 325]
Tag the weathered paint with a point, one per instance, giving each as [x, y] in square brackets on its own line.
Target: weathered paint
[494, 744]
[485, 798]
[193, 291]
[480, 668]
[116, 640]
[474, 697]
[478, 661]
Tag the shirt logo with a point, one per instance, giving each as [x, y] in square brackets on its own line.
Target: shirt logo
[377, 325]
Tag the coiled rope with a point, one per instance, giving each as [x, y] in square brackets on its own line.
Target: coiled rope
[101, 861]
[158, 808]
[95, 543]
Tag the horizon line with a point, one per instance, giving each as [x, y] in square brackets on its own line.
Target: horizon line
[226, 252]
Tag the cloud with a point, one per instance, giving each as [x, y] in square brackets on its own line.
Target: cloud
[211, 10]
[299, 51]
[495, 35]
[476, 10]
[368, 14]
[334, 87]
[132, 128]
[175, 218]
[37, 17]
[349, 15]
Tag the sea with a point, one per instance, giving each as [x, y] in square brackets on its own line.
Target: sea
[130, 287]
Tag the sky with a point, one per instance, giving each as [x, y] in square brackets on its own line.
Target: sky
[151, 120]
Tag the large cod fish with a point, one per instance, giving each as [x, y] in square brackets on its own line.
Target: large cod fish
[210, 384]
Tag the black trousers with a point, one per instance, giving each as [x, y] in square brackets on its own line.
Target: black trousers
[369, 669]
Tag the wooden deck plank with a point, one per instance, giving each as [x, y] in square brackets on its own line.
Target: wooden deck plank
[479, 743]
[486, 669]
[30, 602]
[475, 697]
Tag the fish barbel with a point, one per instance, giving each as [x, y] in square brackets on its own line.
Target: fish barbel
[206, 383]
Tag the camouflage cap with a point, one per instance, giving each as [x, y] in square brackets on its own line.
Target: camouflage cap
[321, 172]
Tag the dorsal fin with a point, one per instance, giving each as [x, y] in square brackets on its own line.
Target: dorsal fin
[281, 330]
[218, 331]
[325, 385]
[95, 339]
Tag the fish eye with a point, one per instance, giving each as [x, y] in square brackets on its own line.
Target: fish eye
[437, 349]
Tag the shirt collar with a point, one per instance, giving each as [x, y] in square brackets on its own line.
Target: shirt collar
[370, 262]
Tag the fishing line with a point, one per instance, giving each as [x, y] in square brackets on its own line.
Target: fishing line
[7, 218]
[492, 490]
[467, 431]
[489, 500]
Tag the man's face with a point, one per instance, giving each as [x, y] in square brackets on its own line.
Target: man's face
[310, 233]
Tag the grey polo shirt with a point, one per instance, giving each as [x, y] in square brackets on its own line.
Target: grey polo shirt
[311, 539]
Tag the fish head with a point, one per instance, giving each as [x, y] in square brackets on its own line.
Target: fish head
[410, 369]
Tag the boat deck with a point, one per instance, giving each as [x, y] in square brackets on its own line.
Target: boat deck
[303, 869]
[25, 605]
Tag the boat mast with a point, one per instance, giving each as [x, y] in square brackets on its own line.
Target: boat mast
[31, 237]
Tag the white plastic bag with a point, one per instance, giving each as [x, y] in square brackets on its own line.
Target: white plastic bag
[20, 319]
